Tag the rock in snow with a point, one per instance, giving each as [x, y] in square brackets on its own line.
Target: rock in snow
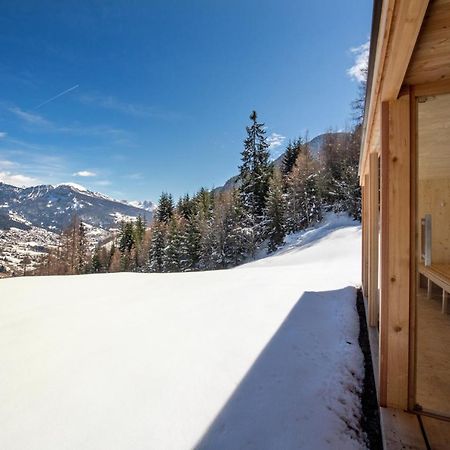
[263, 356]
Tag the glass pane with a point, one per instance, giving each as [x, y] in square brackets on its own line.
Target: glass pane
[433, 255]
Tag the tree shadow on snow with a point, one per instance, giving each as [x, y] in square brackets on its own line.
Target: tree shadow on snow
[271, 406]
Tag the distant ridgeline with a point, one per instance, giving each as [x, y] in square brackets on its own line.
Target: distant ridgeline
[31, 220]
[315, 147]
[52, 207]
[223, 227]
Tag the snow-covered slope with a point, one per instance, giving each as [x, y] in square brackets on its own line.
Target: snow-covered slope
[264, 356]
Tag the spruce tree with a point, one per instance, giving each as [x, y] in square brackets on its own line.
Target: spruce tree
[290, 156]
[138, 236]
[126, 237]
[185, 207]
[165, 208]
[139, 230]
[204, 203]
[255, 173]
[209, 254]
[96, 263]
[173, 255]
[82, 249]
[192, 242]
[235, 239]
[276, 212]
[157, 246]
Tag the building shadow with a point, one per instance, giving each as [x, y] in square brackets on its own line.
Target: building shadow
[291, 391]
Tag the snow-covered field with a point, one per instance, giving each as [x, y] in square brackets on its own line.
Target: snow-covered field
[263, 356]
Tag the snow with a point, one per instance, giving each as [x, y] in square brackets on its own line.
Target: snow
[135, 203]
[76, 186]
[83, 190]
[18, 218]
[119, 217]
[147, 205]
[263, 356]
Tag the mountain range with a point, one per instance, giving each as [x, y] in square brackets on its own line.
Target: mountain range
[31, 218]
[52, 207]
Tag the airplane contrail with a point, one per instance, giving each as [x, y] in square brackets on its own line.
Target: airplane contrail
[56, 96]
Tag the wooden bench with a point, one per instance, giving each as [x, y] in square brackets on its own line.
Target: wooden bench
[438, 274]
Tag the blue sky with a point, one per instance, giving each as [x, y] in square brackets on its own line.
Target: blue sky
[155, 95]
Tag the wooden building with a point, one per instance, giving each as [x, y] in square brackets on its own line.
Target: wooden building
[405, 179]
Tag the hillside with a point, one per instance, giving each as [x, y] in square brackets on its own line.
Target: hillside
[31, 218]
[261, 356]
[52, 207]
[315, 146]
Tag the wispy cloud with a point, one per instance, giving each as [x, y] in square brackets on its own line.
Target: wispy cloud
[6, 164]
[103, 183]
[34, 119]
[131, 109]
[57, 96]
[17, 179]
[358, 71]
[3, 134]
[134, 176]
[84, 173]
[28, 164]
[102, 131]
[275, 140]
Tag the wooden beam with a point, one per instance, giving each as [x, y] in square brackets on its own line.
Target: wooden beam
[373, 240]
[400, 24]
[365, 236]
[430, 62]
[384, 255]
[408, 19]
[387, 12]
[395, 253]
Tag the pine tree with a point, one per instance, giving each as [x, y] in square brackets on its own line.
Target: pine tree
[276, 212]
[157, 246]
[165, 208]
[192, 243]
[139, 248]
[173, 256]
[126, 246]
[96, 265]
[290, 156]
[255, 170]
[82, 249]
[139, 230]
[204, 204]
[185, 207]
[209, 255]
[255, 173]
[235, 239]
[126, 237]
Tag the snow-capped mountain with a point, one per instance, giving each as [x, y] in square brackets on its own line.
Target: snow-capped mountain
[31, 218]
[52, 207]
[146, 204]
